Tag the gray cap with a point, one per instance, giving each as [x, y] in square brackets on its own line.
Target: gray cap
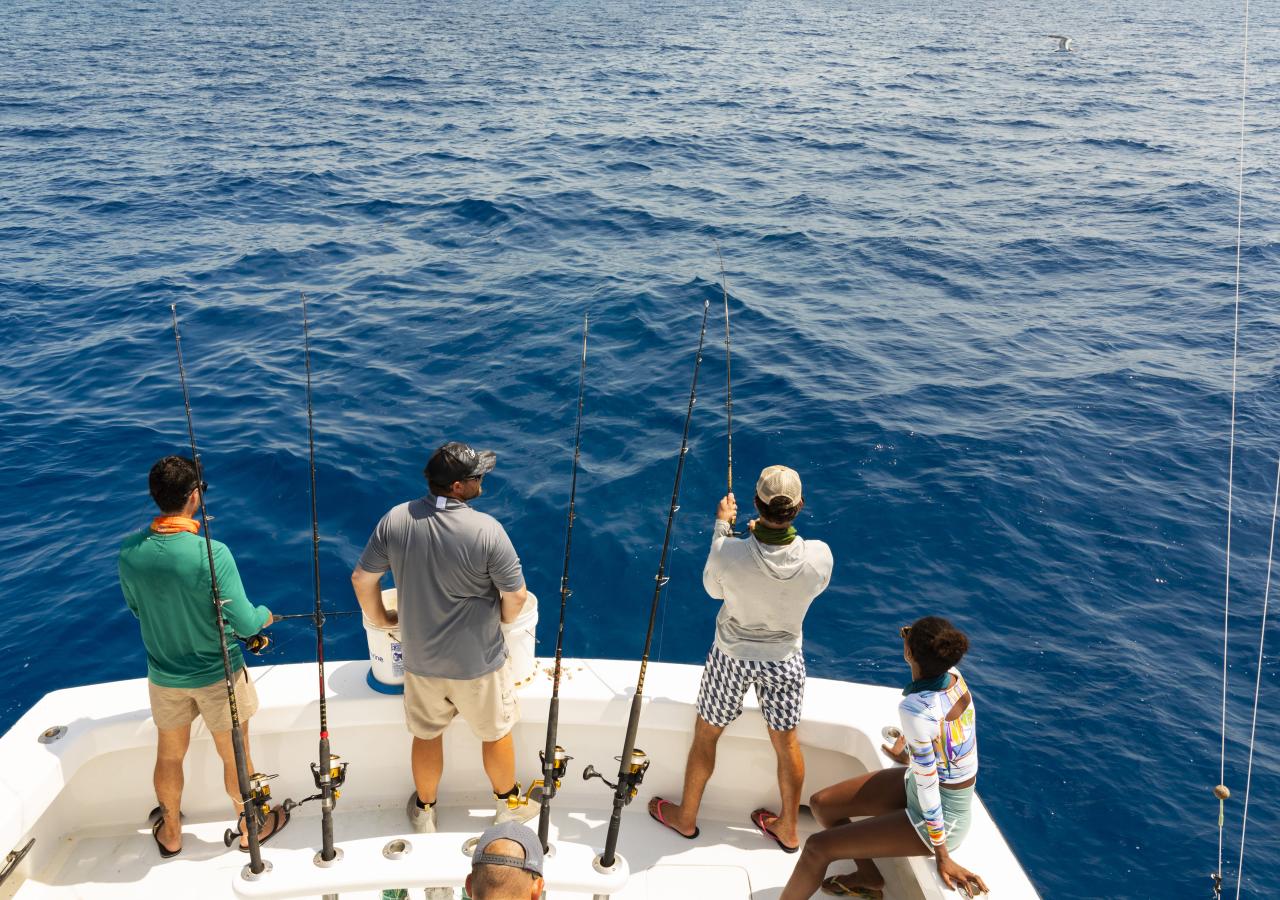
[456, 461]
[523, 835]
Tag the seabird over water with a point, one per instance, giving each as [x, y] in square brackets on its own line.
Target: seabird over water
[1064, 42]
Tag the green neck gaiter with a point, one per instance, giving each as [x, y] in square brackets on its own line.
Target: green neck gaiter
[767, 535]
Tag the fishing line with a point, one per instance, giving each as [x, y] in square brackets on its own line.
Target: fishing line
[633, 763]
[553, 759]
[253, 794]
[1257, 683]
[1221, 791]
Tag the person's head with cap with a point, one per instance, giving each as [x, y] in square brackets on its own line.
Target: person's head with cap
[779, 498]
[507, 864]
[456, 470]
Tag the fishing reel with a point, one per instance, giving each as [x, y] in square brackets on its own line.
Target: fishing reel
[559, 766]
[337, 776]
[259, 806]
[515, 799]
[631, 780]
[257, 644]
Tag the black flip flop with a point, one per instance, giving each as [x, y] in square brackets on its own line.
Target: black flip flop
[661, 820]
[165, 852]
[757, 819]
[154, 816]
[276, 813]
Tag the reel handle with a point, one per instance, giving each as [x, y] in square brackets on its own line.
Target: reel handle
[590, 772]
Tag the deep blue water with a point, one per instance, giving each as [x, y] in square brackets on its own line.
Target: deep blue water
[981, 297]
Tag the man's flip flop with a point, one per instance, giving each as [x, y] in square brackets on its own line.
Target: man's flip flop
[165, 852]
[834, 887]
[656, 815]
[757, 819]
[276, 814]
[154, 816]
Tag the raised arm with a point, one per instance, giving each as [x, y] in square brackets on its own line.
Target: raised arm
[726, 511]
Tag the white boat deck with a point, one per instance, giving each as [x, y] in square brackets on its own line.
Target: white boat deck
[84, 797]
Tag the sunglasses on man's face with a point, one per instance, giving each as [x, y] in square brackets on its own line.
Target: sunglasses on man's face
[904, 632]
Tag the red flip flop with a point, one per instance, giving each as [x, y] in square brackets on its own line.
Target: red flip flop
[757, 819]
[657, 816]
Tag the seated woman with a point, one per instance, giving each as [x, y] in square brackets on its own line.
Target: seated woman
[935, 790]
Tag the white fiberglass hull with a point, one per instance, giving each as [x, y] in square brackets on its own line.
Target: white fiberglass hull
[84, 797]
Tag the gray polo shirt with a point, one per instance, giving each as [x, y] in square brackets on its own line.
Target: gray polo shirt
[450, 562]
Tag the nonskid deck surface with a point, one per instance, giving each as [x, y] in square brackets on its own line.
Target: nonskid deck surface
[730, 859]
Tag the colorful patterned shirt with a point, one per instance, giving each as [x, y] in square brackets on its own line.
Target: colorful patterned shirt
[941, 751]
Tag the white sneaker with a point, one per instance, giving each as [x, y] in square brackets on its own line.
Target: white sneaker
[422, 820]
[503, 812]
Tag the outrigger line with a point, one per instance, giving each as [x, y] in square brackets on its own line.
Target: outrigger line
[553, 758]
[253, 791]
[633, 763]
[728, 382]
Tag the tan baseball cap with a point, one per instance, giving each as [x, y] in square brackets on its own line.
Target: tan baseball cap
[779, 481]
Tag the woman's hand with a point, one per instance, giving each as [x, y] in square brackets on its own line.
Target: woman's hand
[898, 752]
[957, 877]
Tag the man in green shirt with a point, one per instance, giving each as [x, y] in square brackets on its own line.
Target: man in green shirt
[164, 573]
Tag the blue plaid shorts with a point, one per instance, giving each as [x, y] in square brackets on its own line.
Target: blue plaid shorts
[779, 688]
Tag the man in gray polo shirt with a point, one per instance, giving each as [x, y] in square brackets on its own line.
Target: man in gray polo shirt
[456, 576]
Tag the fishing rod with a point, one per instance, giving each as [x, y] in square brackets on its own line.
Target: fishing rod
[554, 760]
[728, 383]
[316, 616]
[254, 793]
[328, 776]
[258, 644]
[633, 763]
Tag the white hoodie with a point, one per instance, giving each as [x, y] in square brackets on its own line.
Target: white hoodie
[766, 590]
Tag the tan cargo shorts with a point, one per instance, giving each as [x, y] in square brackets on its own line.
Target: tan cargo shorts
[178, 707]
[488, 704]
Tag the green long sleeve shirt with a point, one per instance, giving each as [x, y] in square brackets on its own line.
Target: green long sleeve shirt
[165, 580]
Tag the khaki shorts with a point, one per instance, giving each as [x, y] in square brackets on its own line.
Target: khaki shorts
[488, 704]
[178, 707]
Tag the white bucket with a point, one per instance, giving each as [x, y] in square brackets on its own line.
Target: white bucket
[521, 636]
[385, 652]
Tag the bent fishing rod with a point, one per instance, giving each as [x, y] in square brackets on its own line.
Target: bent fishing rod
[632, 764]
[554, 760]
[253, 791]
[728, 383]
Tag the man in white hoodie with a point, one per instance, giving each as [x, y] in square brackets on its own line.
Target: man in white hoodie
[767, 582]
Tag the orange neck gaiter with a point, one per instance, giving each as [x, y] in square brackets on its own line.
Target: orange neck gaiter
[174, 524]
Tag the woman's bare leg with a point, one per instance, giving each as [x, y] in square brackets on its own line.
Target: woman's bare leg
[865, 795]
[887, 835]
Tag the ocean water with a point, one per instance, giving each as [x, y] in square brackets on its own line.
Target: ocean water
[981, 297]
